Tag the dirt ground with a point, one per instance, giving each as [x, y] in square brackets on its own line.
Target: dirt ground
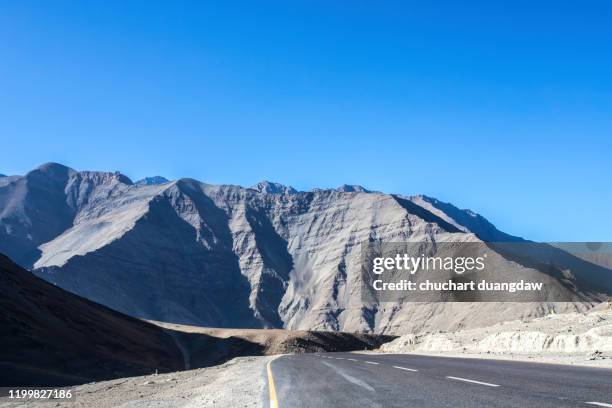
[238, 383]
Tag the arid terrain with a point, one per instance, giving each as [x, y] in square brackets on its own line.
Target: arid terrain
[265, 256]
[52, 337]
[570, 338]
[275, 341]
[581, 339]
[178, 293]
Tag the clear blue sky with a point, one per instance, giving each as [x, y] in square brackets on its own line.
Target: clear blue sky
[504, 109]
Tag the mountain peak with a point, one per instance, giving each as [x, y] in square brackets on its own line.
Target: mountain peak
[150, 181]
[51, 171]
[273, 188]
[352, 188]
[52, 167]
[57, 170]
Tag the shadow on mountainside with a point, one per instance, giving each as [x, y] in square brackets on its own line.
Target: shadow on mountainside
[50, 337]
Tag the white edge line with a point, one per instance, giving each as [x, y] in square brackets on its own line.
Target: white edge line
[371, 362]
[472, 381]
[404, 368]
[599, 404]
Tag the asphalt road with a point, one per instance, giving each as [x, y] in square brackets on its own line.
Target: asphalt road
[392, 380]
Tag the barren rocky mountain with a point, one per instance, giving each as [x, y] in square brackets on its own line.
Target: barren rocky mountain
[228, 256]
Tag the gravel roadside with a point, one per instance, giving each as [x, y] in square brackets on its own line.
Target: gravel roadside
[240, 382]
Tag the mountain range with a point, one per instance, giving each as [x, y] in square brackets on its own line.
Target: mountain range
[268, 256]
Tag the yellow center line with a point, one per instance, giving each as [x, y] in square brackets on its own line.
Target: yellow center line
[271, 387]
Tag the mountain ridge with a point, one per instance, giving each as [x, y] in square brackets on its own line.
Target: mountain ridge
[228, 256]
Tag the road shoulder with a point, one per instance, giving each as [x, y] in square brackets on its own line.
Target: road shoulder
[240, 382]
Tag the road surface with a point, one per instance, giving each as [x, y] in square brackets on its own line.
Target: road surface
[391, 380]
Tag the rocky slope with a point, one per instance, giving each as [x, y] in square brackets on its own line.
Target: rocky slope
[51, 337]
[227, 256]
[571, 338]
